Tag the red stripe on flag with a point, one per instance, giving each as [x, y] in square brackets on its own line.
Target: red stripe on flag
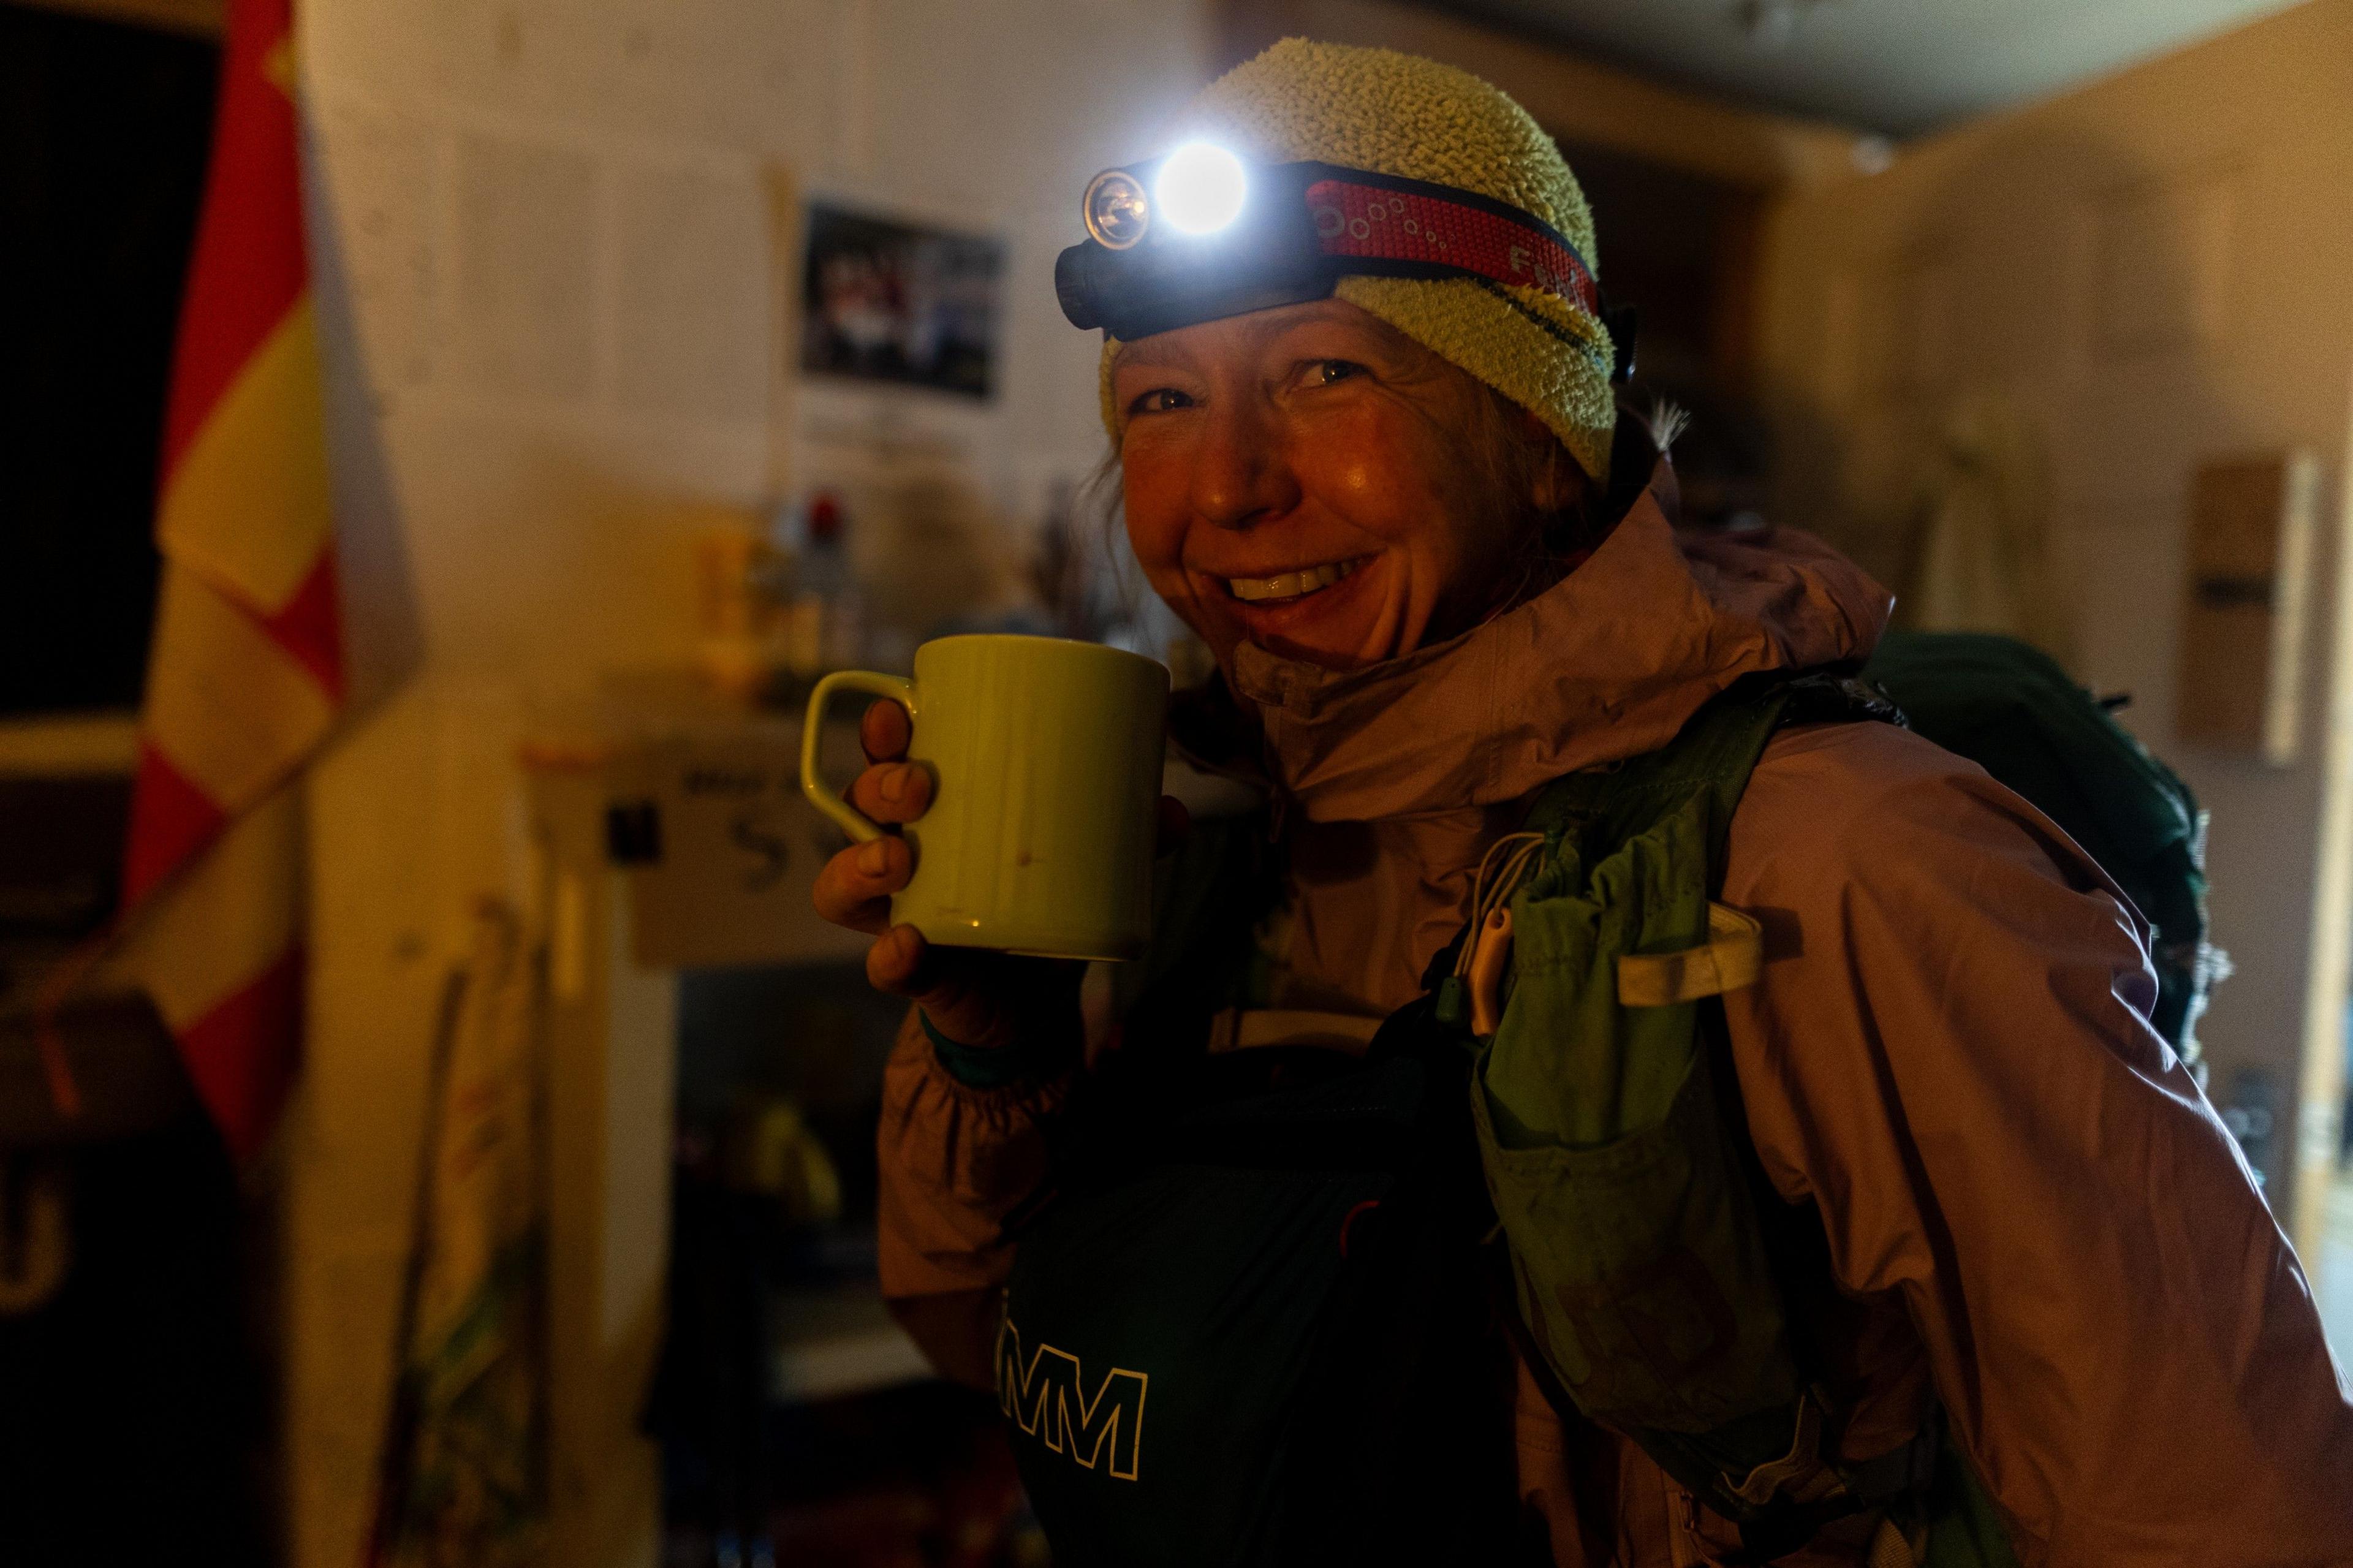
[241, 1055]
[249, 264]
[171, 819]
[248, 271]
[310, 626]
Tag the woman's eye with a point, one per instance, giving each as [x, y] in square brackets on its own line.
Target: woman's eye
[1324, 372]
[1160, 400]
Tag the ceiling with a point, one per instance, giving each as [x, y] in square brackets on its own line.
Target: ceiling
[1900, 67]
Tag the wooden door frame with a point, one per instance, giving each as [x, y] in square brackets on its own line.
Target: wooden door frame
[2320, 1086]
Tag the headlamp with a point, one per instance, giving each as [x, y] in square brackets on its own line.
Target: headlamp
[1200, 235]
[1117, 209]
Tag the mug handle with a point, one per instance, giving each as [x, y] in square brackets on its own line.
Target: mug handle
[821, 796]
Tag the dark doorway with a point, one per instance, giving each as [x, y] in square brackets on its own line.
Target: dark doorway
[1681, 248]
[103, 131]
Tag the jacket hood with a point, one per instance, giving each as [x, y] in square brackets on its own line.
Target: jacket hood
[1606, 663]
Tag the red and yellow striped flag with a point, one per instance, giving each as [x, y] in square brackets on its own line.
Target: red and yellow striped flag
[247, 673]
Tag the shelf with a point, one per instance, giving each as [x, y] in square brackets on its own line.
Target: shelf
[830, 1343]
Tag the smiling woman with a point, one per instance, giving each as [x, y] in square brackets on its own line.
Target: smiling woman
[1616, 1102]
[1311, 479]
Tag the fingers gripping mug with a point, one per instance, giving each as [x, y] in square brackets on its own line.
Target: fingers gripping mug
[1045, 757]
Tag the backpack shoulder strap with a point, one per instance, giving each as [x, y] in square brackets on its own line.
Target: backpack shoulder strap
[1654, 1145]
[1716, 751]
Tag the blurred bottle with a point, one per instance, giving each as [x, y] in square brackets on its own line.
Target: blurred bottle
[739, 609]
[826, 621]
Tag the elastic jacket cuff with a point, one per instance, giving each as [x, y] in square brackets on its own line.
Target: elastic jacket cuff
[984, 1066]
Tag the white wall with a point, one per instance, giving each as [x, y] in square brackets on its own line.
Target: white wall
[545, 255]
[2153, 270]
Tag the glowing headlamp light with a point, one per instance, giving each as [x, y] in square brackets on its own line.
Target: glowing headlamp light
[1201, 188]
[1196, 190]
[1200, 235]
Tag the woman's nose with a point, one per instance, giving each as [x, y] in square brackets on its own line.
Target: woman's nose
[1241, 470]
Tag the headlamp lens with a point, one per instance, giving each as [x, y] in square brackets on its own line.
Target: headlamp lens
[1115, 209]
[1201, 188]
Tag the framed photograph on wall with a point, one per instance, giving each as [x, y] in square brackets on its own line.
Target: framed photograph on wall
[885, 300]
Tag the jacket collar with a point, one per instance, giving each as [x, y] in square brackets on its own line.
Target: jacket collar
[1606, 663]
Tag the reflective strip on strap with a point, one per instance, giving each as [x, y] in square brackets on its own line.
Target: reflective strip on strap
[1734, 954]
[1800, 1472]
[1382, 220]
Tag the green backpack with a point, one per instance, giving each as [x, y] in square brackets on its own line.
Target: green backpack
[1655, 1267]
[2011, 709]
[1274, 1252]
[1665, 1290]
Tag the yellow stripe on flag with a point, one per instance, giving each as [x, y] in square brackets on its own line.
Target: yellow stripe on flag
[228, 707]
[246, 504]
[235, 912]
[277, 66]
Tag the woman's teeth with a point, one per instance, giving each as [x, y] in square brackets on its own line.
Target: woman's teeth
[1292, 584]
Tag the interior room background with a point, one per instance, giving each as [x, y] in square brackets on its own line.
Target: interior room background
[557, 253]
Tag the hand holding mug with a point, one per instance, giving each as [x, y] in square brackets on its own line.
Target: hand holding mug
[979, 997]
[1023, 774]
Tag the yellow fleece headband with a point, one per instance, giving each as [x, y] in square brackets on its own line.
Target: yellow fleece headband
[1401, 115]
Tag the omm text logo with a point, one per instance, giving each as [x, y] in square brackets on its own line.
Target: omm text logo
[1046, 1395]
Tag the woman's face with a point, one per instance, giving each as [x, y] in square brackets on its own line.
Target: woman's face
[1310, 479]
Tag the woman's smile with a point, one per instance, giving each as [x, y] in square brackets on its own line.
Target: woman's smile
[1310, 613]
[1284, 586]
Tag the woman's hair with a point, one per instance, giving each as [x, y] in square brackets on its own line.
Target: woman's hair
[1522, 465]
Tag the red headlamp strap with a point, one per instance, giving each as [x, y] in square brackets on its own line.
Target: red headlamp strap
[1408, 225]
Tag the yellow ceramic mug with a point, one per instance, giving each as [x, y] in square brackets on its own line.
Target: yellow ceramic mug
[1045, 757]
